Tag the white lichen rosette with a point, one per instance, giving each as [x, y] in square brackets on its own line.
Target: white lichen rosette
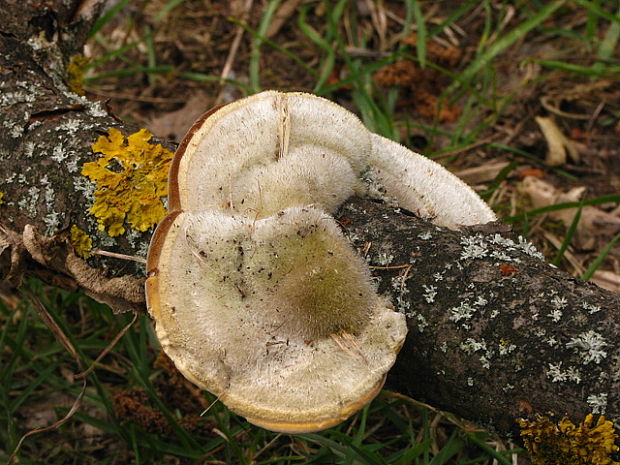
[256, 294]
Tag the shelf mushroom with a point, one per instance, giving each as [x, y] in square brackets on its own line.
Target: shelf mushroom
[256, 294]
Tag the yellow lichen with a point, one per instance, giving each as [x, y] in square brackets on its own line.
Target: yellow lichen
[80, 242]
[565, 443]
[132, 178]
[75, 73]
[1, 196]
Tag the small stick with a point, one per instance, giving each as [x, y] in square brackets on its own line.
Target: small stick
[120, 256]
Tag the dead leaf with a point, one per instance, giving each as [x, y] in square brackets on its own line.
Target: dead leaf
[482, 173]
[557, 142]
[607, 280]
[284, 12]
[593, 223]
[174, 125]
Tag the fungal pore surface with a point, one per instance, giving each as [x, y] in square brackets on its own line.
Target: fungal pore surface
[257, 296]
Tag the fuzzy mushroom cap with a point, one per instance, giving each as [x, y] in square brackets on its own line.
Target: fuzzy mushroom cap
[277, 317]
[256, 294]
[268, 152]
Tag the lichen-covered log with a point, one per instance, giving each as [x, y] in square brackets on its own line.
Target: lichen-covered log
[495, 333]
[46, 138]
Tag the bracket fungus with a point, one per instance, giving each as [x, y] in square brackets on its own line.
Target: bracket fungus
[256, 294]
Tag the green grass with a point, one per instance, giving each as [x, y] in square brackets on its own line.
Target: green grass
[391, 430]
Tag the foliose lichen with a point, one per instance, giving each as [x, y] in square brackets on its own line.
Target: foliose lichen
[131, 180]
[75, 73]
[588, 443]
[80, 241]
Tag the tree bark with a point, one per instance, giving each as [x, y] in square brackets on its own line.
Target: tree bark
[494, 332]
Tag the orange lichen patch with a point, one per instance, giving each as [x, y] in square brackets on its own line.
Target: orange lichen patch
[80, 241]
[507, 270]
[588, 443]
[132, 178]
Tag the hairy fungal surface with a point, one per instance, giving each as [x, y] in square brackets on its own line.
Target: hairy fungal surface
[256, 294]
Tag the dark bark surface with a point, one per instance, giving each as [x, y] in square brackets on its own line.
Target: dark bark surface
[495, 333]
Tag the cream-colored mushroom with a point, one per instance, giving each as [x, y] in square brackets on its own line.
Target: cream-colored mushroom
[256, 295]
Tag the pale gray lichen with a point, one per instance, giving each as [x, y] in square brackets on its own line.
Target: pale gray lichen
[429, 293]
[557, 375]
[598, 403]
[485, 360]
[589, 345]
[15, 129]
[464, 312]
[473, 247]
[52, 218]
[552, 341]
[559, 302]
[480, 301]
[403, 304]
[590, 308]
[104, 239]
[522, 244]
[438, 276]
[504, 257]
[421, 322]
[58, 153]
[383, 258]
[529, 248]
[29, 202]
[470, 381]
[142, 250]
[426, 235]
[34, 125]
[14, 98]
[29, 148]
[470, 345]
[72, 165]
[71, 127]
[506, 348]
[555, 314]
[87, 188]
[52, 222]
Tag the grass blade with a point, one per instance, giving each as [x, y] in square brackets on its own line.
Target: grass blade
[107, 17]
[596, 9]
[506, 41]
[613, 198]
[421, 39]
[593, 71]
[568, 238]
[254, 66]
[597, 262]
